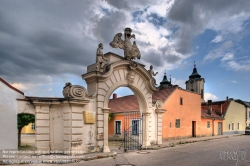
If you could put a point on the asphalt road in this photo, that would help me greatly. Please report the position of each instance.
(232, 151)
(220, 152)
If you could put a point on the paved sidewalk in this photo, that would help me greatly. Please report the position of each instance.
(176, 142)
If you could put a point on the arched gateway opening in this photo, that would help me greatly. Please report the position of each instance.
(125, 121)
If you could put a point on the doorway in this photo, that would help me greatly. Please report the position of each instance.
(193, 128)
(219, 128)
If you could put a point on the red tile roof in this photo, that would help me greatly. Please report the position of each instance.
(206, 115)
(163, 94)
(220, 107)
(130, 103)
(10, 86)
(123, 104)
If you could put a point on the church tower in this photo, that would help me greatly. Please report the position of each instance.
(165, 83)
(196, 83)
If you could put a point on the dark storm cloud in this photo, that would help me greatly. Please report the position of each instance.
(109, 25)
(129, 4)
(44, 37)
(119, 4)
(169, 56)
(193, 17)
(153, 57)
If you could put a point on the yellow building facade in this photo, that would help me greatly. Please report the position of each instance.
(29, 129)
(235, 119)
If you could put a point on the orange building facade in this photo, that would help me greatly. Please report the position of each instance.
(118, 122)
(211, 127)
(183, 115)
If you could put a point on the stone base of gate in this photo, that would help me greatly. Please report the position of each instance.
(106, 149)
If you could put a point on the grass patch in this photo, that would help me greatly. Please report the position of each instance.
(180, 143)
(171, 144)
(24, 147)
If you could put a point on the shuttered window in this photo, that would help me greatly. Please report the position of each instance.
(177, 123)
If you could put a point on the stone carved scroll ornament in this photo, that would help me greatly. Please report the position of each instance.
(75, 92)
(158, 104)
(130, 51)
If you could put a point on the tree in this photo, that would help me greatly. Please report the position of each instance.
(23, 120)
(111, 116)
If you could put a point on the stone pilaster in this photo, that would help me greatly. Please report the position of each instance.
(67, 128)
(145, 125)
(42, 128)
(105, 125)
(159, 113)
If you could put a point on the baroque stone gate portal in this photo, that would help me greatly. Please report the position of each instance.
(78, 123)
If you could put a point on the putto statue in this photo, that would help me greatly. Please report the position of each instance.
(100, 59)
(130, 51)
(152, 73)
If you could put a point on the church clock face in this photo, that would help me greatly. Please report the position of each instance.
(192, 81)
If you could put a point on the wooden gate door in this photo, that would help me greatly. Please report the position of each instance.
(219, 128)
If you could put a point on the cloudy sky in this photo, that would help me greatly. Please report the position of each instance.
(44, 44)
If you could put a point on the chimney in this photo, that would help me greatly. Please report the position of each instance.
(114, 95)
(209, 107)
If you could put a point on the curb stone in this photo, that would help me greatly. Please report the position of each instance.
(100, 156)
(184, 142)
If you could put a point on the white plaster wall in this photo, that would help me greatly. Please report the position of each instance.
(26, 107)
(8, 117)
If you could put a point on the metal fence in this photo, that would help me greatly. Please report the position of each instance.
(132, 130)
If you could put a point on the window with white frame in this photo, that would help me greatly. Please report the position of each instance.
(118, 127)
(208, 124)
(33, 126)
(232, 126)
(135, 127)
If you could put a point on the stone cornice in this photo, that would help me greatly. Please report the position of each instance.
(160, 111)
(106, 110)
(58, 102)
